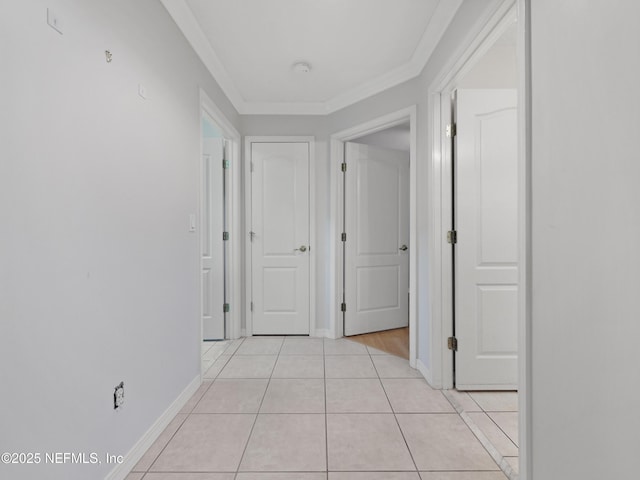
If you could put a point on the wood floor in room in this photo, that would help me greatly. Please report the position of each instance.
(395, 342)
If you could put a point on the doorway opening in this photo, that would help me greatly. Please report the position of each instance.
(280, 242)
(478, 108)
(218, 228)
(372, 186)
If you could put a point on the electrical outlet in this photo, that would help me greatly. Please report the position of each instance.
(118, 396)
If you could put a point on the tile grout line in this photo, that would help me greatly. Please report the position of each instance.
(187, 415)
(497, 457)
(244, 450)
(395, 417)
(488, 414)
(486, 443)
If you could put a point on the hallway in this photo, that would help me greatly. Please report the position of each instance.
(310, 409)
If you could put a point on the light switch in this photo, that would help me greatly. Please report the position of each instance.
(54, 20)
(192, 222)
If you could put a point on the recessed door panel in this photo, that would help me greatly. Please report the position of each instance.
(497, 335)
(378, 288)
(378, 197)
(279, 290)
(279, 205)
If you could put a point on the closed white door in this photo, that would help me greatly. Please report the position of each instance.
(280, 238)
(486, 252)
(377, 239)
(212, 226)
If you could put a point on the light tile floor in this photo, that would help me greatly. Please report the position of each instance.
(292, 408)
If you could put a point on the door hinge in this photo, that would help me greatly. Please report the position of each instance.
(225, 307)
(344, 167)
(251, 306)
(451, 130)
(452, 343)
(452, 237)
(225, 235)
(343, 307)
(344, 237)
(225, 164)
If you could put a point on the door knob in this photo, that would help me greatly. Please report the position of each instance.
(403, 248)
(302, 248)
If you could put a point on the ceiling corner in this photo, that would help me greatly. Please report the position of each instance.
(186, 22)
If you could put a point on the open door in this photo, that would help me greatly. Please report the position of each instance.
(486, 244)
(376, 239)
(212, 244)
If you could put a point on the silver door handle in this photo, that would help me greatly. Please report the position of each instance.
(302, 249)
(403, 248)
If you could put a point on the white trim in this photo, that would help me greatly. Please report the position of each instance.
(426, 373)
(525, 212)
(313, 244)
(321, 332)
(234, 211)
(188, 24)
(134, 455)
(336, 214)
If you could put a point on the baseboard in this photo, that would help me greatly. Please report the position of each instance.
(320, 332)
(243, 332)
(138, 450)
(426, 373)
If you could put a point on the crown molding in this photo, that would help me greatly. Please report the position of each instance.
(186, 22)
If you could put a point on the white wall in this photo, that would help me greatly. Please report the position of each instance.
(98, 273)
(498, 66)
(585, 233)
(395, 138)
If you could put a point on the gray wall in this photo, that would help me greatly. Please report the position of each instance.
(98, 273)
(586, 232)
(463, 28)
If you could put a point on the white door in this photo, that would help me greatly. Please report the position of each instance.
(212, 226)
(377, 239)
(486, 252)
(280, 238)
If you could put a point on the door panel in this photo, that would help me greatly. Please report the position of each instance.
(212, 226)
(377, 225)
(486, 252)
(280, 222)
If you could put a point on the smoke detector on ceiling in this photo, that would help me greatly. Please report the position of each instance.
(301, 67)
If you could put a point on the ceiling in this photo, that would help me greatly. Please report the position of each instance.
(356, 48)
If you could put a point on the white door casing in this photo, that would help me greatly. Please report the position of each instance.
(377, 243)
(486, 252)
(212, 226)
(280, 238)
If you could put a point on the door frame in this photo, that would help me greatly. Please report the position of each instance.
(313, 245)
(336, 258)
(440, 197)
(233, 211)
